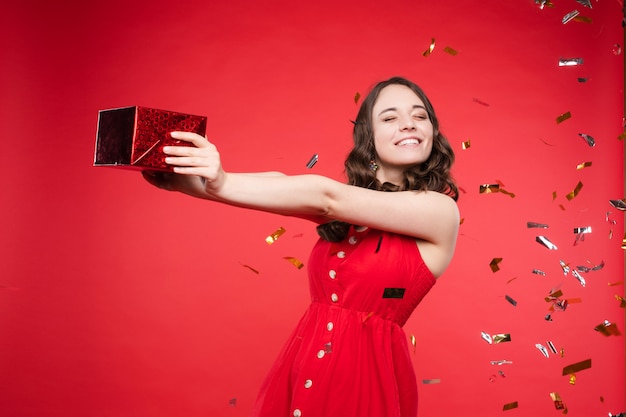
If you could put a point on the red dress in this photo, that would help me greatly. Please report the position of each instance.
(348, 356)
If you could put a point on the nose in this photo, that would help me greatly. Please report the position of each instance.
(407, 124)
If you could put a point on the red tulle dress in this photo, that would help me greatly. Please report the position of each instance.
(348, 356)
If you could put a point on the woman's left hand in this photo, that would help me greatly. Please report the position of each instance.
(201, 159)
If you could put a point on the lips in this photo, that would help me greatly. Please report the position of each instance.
(408, 141)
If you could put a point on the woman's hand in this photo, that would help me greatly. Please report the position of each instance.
(201, 160)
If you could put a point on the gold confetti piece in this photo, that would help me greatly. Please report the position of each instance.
(618, 204)
(568, 17)
(510, 300)
(357, 96)
(553, 195)
(413, 342)
(294, 261)
(250, 268)
(589, 139)
(572, 379)
(582, 19)
(501, 338)
(544, 3)
(583, 165)
(563, 117)
(274, 236)
(431, 381)
(582, 79)
(570, 62)
(430, 49)
(608, 329)
(613, 284)
(450, 51)
(312, 161)
(558, 404)
(571, 195)
(622, 136)
(466, 144)
(494, 264)
(546, 242)
(489, 188)
(510, 406)
(577, 367)
(482, 103)
(533, 225)
(576, 300)
(622, 302)
(624, 242)
(542, 349)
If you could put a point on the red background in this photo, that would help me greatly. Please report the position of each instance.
(118, 299)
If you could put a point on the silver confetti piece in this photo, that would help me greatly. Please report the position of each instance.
(570, 62)
(502, 362)
(312, 161)
(618, 204)
(542, 349)
(579, 230)
(570, 16)
(590, 140)
(486, 337)
(539, 272)
(579, 277)
(593, 268)
(552, 347)
(565, 267)
(533, 225)
(545, 242)
(586, 3)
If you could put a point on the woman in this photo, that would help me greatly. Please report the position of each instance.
(379, 255)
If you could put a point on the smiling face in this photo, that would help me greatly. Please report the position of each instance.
(403, 132)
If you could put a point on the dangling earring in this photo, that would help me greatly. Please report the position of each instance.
(373, 165)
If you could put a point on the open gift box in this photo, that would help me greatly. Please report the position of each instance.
(133, 137)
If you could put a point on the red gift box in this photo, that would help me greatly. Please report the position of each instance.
(133, 137)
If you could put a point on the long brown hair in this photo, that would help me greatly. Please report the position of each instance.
(433, 174)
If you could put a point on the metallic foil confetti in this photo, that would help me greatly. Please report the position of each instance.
(509, 406)
(494, 264)
(582, 79)
(232, 402)
(548, 317)
(586, 3)
(553, 195)
(542, 349)
(562, 207)
(466, 144)
(570, 16)
(572, 379)
(486, 337)
(533, 225)
(583, 165)
(613, 284)
(295, 262)
(501, 338)
(510, 300)
(482, 103)
(274, 236)
(622, 136)
(622, 301)
(607, 328)
(544, 3)
(250, 268)
(431, 381)
(618, 204)
(511, 280)
(577, 367)
(357, 96)
(589, 139)
(393, 292)
(413, 342)
(489, 188)
(430, 49)
(563, 117)
(624, 242)
(618, 415)
(579, 277)
(546, 242)
(450, 51)
(565, 267)
(571, 195)
(502, 362)
(510, 194)
(582, 19)
(558, 404)
(589, 269)
(539, 272)
(312, 161)
(570, 62)
(552, 347)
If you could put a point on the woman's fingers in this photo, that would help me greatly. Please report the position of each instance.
(194, 138)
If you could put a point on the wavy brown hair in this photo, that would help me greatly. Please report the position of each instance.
(433, 174)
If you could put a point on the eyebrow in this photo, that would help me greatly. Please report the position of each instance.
(415, 106)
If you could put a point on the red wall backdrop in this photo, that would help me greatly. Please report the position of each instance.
(118, 299)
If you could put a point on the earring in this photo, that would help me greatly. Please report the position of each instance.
(373, 165)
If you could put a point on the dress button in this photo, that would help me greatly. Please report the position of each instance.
(332, 274)
(297, 413)
(308, 383)
(334, 297)
(329, 326)
(341, 254)
(320, 354)
(352, 240)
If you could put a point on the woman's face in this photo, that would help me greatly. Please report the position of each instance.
(403, 132)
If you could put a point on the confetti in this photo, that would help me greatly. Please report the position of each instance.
(274, 236)
(589, 139)
(494, 264)
(582, 79)
(545, 242)
(502, 362)
(577, 367)
(430, 49)
(544, 3)
(571, 195)
(563, 117)
(565, 267)
(622, 136)
(583, 19)
(598, 267)
(489, 188)
(482, 103)
(586, 3)
(542, 349)
(431, 381)
(501, 338)
(553, 195)
(570, 16)
(579, 277)
(539, 272)
(312, 161)
(617, 49)
(533, 225)
(624, 242)
(613, 284)
(570, 62)
(450, 51)
(618, 204)
(250, 268)
(510, 300)
(622, 302)
(572, 379)
(294, 261)
(558, 404)
(486, 337)
(607, 328)
(413, 342)
(583, 165)
(393, 292)
(552, 347)
(357, 96)
(509, 406)
(465, 145)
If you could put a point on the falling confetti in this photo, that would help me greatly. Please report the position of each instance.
(510, 300)
(589, 139)
(568, 17)
(431, 381)
(597, 267)
(579, 277)
(542, 349)
(482, 103)
(294, 261)
(312, 161)
(577, 367)
(450, 51)
(571, 195)
(618, 204)
(489, 188)
(501, 338)
(274, 236)
(586, 3)
(563, 117)
(430, 49)
(570, 62)
(357, 96)
(539, 272)
(617, 49)
(250, 268)
(466, 144)
(583, 165)
(607, 328)
(502, 362)
(546, 242)
(509, 406)
(494, 264)
(413, 342)
(556, 398)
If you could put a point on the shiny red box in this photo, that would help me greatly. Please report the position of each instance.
(133, 137)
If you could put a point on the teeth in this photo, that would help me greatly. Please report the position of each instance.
(408, 142)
